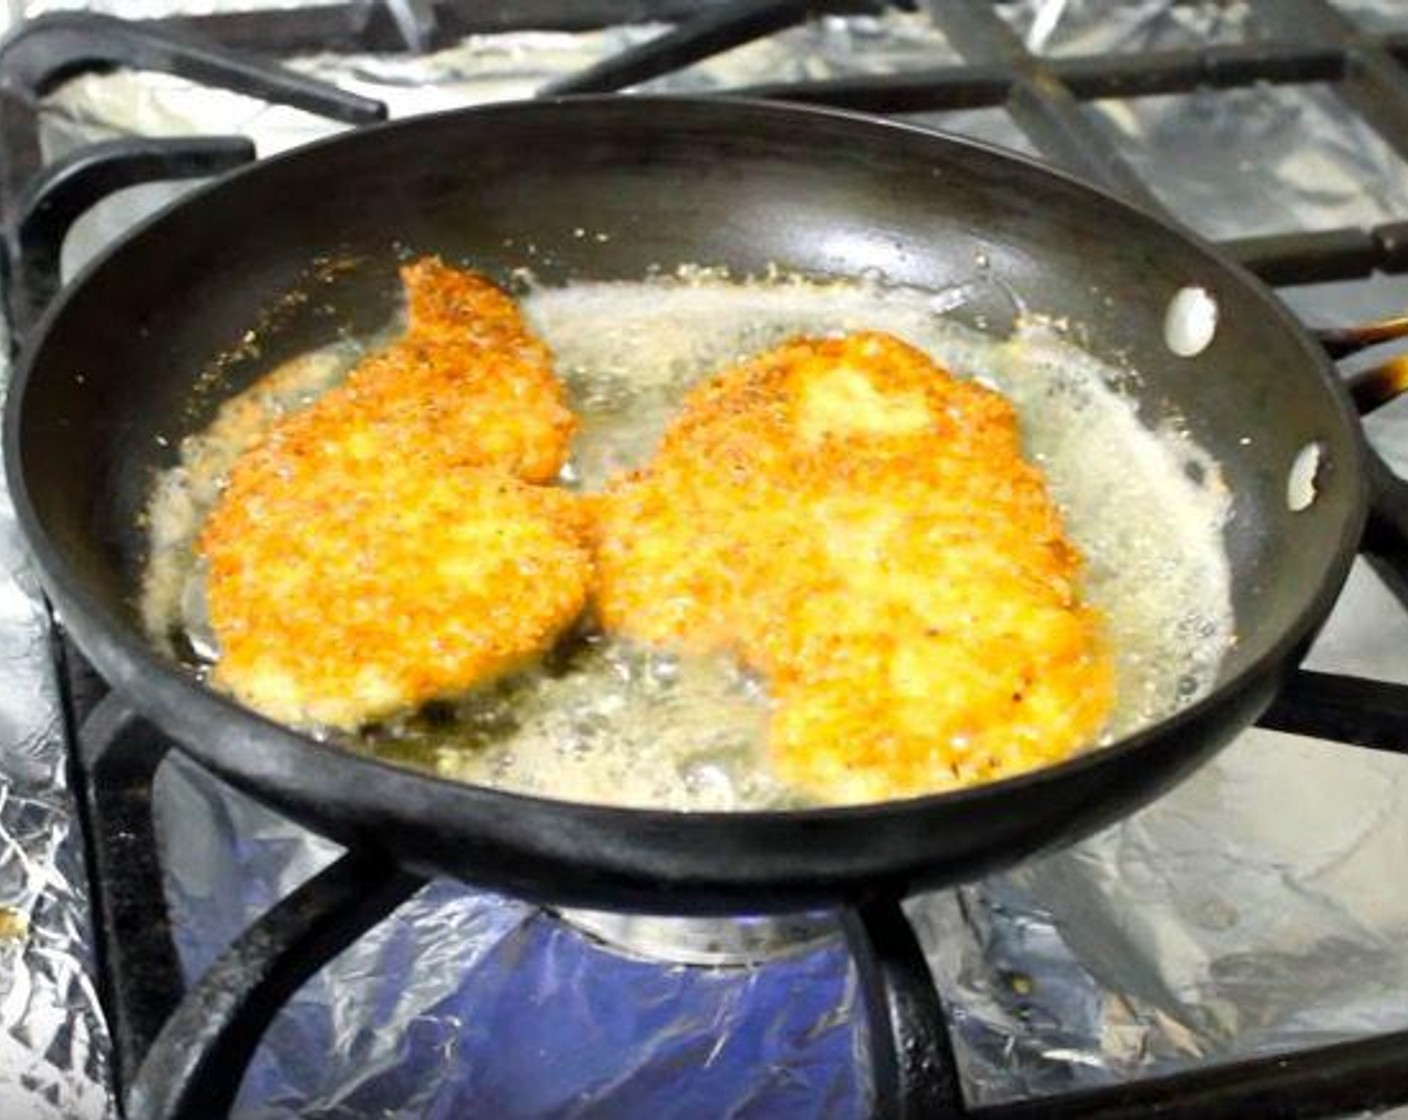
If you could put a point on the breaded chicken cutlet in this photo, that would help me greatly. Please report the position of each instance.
(384, 546)
(859, 526)
(468, 383)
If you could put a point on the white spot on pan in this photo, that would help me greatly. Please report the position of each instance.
(1300, 483)
(1190, 322)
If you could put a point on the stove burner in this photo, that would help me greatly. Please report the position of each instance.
(726, 942)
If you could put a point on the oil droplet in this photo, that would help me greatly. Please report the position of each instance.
(949, 298)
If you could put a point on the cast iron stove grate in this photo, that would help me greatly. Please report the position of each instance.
(181, 1054)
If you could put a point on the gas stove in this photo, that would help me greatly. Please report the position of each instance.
(1232, 951)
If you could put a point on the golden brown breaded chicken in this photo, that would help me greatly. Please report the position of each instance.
(381, 548)
(468, 381)
(859, 526)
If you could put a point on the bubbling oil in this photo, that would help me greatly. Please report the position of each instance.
(603, 721)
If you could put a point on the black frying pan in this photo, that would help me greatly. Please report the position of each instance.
(115, 365)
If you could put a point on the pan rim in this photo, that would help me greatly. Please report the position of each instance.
(166, 688)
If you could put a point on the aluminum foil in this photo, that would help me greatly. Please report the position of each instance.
(1249, 911)
(468, 1003)
(53, 1042)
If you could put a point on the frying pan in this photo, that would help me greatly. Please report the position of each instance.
(148, 341)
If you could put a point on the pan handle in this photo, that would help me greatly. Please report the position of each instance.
(1341, 342)
(1378, 385)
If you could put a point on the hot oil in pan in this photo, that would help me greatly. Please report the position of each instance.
(602, 721)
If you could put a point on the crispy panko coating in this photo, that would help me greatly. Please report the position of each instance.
(468, 381)
(383, 547)
(859, 526)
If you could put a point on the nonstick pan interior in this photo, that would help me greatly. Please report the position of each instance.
(286, 256)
